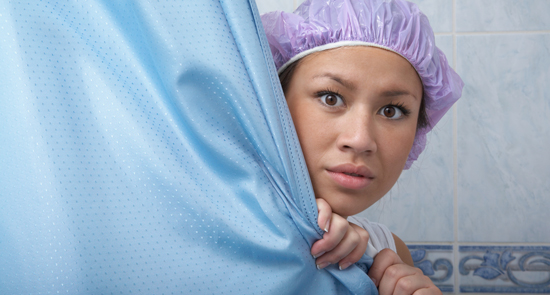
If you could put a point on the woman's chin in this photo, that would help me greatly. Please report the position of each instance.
(345, 209)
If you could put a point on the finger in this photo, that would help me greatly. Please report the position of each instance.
(349, 242)
(325, 214)
(338, 229)
(432, 290)
(382, 261)
(417, 283)
(359, 250)
(401, 279)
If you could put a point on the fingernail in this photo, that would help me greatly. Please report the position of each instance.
(344, 266)
(317, 255)
(327, 226)
(323, 265)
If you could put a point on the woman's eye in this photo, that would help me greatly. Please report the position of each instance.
(391, 112)
(332, 100)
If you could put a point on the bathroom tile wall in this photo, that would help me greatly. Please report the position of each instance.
(474, 208)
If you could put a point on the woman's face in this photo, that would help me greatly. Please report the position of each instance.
(355, 110)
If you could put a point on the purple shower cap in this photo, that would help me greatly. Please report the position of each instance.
(394, 25)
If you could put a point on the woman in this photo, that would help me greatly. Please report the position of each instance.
(364, 83)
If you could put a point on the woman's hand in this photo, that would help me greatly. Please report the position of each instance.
(343, 242)
(392, 276)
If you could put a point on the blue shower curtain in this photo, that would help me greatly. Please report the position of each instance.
(146, 147)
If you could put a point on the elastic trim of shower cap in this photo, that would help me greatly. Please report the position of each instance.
(340, 44)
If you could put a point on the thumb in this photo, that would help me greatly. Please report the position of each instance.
(325, 214)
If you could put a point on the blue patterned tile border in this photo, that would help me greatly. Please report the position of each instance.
(504, 269)
(436, 262)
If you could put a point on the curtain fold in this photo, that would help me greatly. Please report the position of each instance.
(146, 147)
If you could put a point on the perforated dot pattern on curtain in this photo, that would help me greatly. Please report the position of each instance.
(146, 148)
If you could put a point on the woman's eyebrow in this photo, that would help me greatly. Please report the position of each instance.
(392, 93)
(338, 79)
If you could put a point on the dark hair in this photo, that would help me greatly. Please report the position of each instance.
(286, 75)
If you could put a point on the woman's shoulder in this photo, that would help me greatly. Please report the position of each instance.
(403, 251)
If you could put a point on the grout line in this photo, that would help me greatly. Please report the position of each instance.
(504, 244)
(446, 243)
(496, 244)
(455, 167)
(455, 180)
(504, 32)
(491, 33)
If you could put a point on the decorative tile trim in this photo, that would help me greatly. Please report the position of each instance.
(504, 269)
(436, 262)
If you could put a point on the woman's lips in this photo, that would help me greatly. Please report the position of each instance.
(351, 176)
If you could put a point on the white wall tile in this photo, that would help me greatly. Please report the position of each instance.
(504, 138)
(297, 3)
(271, 5)
(439, 12)
(502, 15)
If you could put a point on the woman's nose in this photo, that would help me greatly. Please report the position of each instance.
(358, 135)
